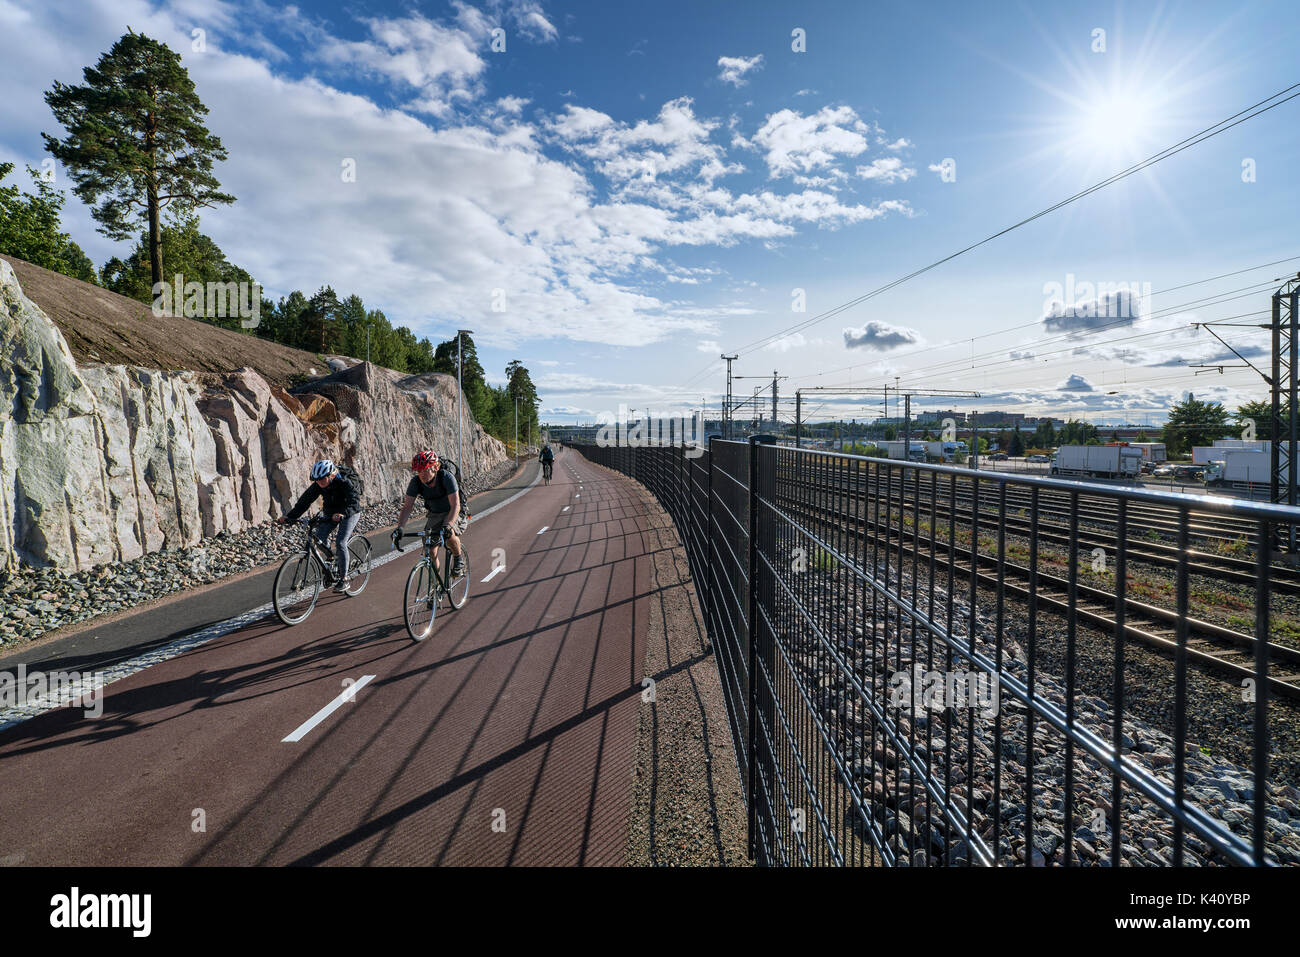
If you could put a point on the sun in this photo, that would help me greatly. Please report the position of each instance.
(1118, 124)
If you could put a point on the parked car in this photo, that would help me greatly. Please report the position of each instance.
(1189, 473)
(999, 456)
(1163, 471)
(1147, 468)
(1037, 458)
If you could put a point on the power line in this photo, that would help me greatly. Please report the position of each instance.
(1207, 133)
(1222, 126)
(1038, 323)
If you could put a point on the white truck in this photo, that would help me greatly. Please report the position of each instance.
(1205, 454)
(1240, 468)
(1097, 461)
(894, 449)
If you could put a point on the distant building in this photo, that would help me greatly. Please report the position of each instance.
(938, 417)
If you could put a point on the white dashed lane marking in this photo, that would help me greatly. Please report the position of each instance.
(544, 528)
(493, 573)
(348, 694)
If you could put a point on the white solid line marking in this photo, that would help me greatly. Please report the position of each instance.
(348, 694)
(544, 528)
(566, 508)
(493, 574)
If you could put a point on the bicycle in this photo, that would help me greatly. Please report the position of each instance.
(546, 471)
(426, 586)
(299, 581)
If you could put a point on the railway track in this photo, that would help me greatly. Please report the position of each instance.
(1284, 578)
(1220, 567)
(1203, 525)
(1213, 646)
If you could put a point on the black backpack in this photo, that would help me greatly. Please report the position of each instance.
(454, 469)
(451, 466)
(354, 480)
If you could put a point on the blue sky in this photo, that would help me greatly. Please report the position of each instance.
(625, 191)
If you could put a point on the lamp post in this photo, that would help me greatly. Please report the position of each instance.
(460, 397)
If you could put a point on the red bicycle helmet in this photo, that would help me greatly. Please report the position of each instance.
(423, 460)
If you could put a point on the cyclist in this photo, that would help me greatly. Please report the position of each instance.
(546, 456)
(341, 509)
(437, 486)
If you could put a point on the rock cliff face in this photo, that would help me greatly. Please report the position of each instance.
(106, 462)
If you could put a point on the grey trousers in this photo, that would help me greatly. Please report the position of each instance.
(345, 528)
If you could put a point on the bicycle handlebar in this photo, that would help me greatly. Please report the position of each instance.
(397, 542)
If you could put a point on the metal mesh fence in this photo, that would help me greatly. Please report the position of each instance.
(926, 665)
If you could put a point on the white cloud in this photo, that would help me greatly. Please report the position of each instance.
(708, 345)
(440, 215)
(437, 63)
(1111, 310)
(798, 143)
(880, 336)
(1076, 383)
(734, 68)
(887, 170)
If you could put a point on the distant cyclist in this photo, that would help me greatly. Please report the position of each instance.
(437, 486)
(341, 509)
(546, 456)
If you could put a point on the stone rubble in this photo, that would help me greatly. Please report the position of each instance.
(36, 600)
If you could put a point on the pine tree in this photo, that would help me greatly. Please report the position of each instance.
(136, 142)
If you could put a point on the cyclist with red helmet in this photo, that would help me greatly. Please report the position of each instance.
(437, 486)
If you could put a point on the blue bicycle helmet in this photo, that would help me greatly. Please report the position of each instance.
(322, 469)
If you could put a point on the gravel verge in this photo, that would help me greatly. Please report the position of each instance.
(36, 601)
(688, 806)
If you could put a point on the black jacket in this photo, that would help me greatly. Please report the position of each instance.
(341, 497)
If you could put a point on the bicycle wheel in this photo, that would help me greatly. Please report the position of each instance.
(297, 586)
(458, 590)
(358, 565)
(418, 605)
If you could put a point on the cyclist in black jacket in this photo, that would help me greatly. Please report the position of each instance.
(341, 509)
(546, 456)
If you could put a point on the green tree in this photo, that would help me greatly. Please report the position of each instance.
(1261, 413)
(192, 255)
(1193, 422)
(136, 143)
(283, 324)
(1078, 432)
(473, 378)
(322, 324)
(352, 314)
(29, 228)
(519, 383)
(1016, 446)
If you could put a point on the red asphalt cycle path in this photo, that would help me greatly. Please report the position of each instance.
(506, 737)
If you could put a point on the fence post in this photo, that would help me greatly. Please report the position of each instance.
(754, 442)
